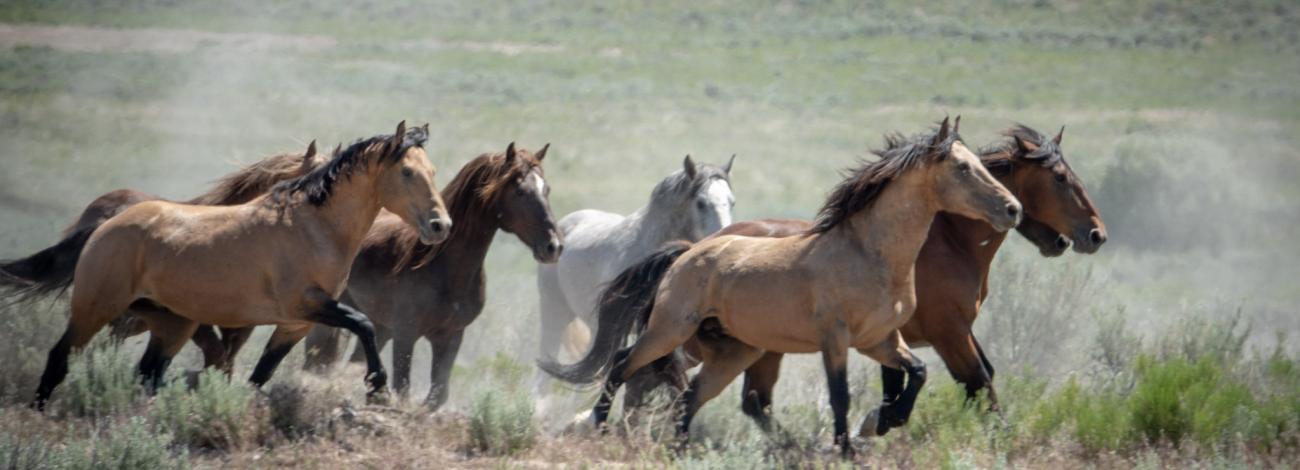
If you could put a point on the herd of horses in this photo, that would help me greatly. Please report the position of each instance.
(898, 255)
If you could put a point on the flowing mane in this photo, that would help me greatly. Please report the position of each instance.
(997, 157)
(318, 185)
(469, 196)
(864, 184)
(255, 179)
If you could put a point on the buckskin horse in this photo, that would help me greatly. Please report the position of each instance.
(847, 282)
(280, 259)
(412, 290)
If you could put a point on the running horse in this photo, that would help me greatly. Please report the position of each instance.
(281, 259)
(952, 271)
(412, 291)
(48, 272)
(845, 283)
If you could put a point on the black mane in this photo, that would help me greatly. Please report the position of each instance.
(862, 185)
(318, 185)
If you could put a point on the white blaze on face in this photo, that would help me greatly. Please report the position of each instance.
(719, 197)
(538, 182)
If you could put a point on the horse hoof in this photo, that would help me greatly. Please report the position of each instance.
(872, 425)
(378, 397)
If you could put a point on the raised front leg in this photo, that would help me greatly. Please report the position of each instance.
(382, 335)
(894, 353)
(445, 347)
(333, 313)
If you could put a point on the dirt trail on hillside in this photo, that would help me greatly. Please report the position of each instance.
(180, 41)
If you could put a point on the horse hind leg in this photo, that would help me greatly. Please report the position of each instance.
(756, 395)
(93, 306)
(168, 333)
(724, 359)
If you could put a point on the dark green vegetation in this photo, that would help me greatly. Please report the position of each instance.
(1181, 118)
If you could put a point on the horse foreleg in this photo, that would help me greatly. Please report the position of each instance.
(988, 369)
(233, 340)
(756, 396)
(836, 362)
(214, 351)
(894, 353)
(382, 335)
(959, 353)
(403, 350)
(278, 346)
(338, 315)
(445, 348)
(323, 346)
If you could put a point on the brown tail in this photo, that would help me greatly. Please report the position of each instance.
(625, 302)
(47, 272)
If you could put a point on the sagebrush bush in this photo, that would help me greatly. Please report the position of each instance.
(132, 445)
(219, 413)
(27, 332)
(502, 423)
(101, 380)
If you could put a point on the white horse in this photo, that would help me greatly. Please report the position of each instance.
(689, 204)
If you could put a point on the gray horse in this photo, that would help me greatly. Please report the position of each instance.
(689, 204)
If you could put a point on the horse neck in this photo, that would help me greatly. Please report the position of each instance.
(893, 229)
(474, 227)
(656, 224)
(976, 238)
(350, 211)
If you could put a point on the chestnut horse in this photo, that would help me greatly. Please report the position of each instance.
(412, 291)
(48, 273)
(951, 270)
(282, 258)
(845, 283)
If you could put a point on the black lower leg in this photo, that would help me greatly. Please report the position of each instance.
(896, 414)
(56, 368)
(151, 367)
(838, 384)
(600, 413)
(891, 381)
(339, 315)
(686, 412)
(270, 359)
(755, 404)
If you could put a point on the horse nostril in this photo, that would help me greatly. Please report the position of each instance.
(1062, 242)
(439, 225)
(553, 248)
(1013, 210)
(1097, 236)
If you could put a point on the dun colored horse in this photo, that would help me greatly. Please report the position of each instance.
(412, 291)
(951, 270)
(48, 273)
(282, 258)
(845, 283)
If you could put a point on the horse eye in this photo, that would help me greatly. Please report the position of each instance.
(407, 172)
(963, 166)
(1060, 177)
(699, 204)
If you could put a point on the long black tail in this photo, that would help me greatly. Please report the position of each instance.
(45, 273)
(625, 302)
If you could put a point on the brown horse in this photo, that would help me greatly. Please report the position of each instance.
(282, 258)
(434, 292)
(845, 283)
(48, 273)
(951, 270)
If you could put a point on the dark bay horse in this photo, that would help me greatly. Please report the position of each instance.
(412, 291)
(846, 283)
(951, 269)
(48, 273)
(280, 259)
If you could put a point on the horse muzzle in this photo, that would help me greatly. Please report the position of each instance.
(550, 251)
(435, 230)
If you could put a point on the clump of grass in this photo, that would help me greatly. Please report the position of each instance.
(130, 445)
(27, 331)
(502, 424)
(218, 414)
(101, 381)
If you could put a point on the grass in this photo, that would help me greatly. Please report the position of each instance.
(1168, 348)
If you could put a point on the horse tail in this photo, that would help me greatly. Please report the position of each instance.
(46, 272)
(625, 303)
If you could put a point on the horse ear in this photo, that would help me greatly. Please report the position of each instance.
(510, 152)
(942, 135)
(727, 168)
(398, 135)
(542, 153)
(1025, 145)
(311, 150)
(956, 124)
(1057, 140)
(689, 167)
(426, 128)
